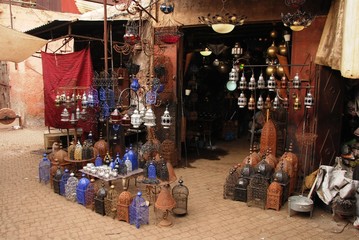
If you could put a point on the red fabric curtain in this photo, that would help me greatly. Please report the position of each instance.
(62, 73)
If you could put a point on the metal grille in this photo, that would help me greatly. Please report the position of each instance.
(257, 191)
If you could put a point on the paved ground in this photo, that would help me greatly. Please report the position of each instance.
(30, 210)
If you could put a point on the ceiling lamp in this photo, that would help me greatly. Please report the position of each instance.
(298, 20)
(222, 22)
(206, 52)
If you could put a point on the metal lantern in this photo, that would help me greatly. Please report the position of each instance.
(308, 100)
(260, 103)
(162, 170)
(136, 120)
(180, 193)
(231, 180)
(274, 196)
(131, 35)
(150, 118)
(65, 116)
(100, 200)
(276, 102)
(251, 103)
(90, 195)
(261, 82)
(296, 104)
(282, 178)
(64, 178)
(285, 103)
(70, 188)
(296, 81)
(166, 119)
(57, 180)
(84, 101)
(237, 50)
(44, 169)
(123, 206)
(267, 103)
(165, 202)
(81, 189)
(142, 113)
(111, 202)
(243, 82)
(283, 82)
(168, 151)
(240, 190)
(139, 212)
(257, 191)
(242, 100)
(252, 83)
(115, 117)
(271, 83)
(233, 75)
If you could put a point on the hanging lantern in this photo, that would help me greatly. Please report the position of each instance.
(111, 202)
(166, 119)
(81, 189)
(44, 169)
(243, 82)
(296, 81)
(252, 83)
(283, 82)
(237, 50)
(70, 188)
(57, 100)
(285, 103)
(297, 103)
(260, 103)
(180, 193)
(308, 100)
(267, 103)
(73, 120)
(271, 83)
(165, 202)
(276, 103)
(231, 85)
(131, 35)
(242, 100)
(261, 82)
(142, 113)
(149, 118)
(115, 116)
(251, 103)
(136, 120)
(233, 75)
(135, 84)
(126, 121)
(271, 69)
(65, 116)
(272, 51)
(139, 212)
(100, 200)
(84, 101)
(123, 206)
(167, 7)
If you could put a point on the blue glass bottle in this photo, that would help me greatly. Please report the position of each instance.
(98, 161)
(135, 84)
(44, 169)
(133, 157)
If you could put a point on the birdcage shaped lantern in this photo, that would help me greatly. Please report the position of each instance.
(261, 84)
(44, 169)
(64, 178)
(260, 103)
(149, 118)
(123, 206)
(252, 83)
(100, 200)
(308, 100)
(271, 84)
(274, 196)
(242, 100)
(139, 211)
(111, 202)
(57, 180)
(90, 195)
(243, 82)
(240, 190)
(70, 188)
(257, 191)
(231, 180)
(81, 188)
(136, 119)
(296, 81)
(166, 119)
(180, 194)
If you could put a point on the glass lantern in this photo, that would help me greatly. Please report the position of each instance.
(261, 82)
(233, 75)
(64, 178)
(81, 189)
(65, 116)
(150, 118)
(100, 200)
(123, 206)
(276, 103)
(308, 100)
(297, 105)
(296, 81)
(283, 82)
(139, 212)
(252, 83)
(180, 193)
(243, 82)
(166, 119)
(237, 50)
(260, 103)
(111, 202)
(251, 103)
(70, 188)
(90, 195)
(131, 35)
(271, 83)
(242, 100)
(44, 169)
(136, 120)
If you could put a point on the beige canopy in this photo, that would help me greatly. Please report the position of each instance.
(17, 46)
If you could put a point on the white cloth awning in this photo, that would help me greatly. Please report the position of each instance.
(17, 46)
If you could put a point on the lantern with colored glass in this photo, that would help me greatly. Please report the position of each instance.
(132, 33)
(242, 100)
(166, 119)
(139, 212)
(180, 193)
(81, 189)
(308, 100)
(261, 82)
(111, 202)
(70, 188)
(90, 195)
(44, 169)
(252, 83)
(57, 180)
(64, 178)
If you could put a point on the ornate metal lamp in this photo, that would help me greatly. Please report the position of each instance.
(231, 180)
(296, 81)
(242, 82)
(81, 189)
(260, 102)
(180, 193)
(44, 169)
(308, 100)
(150, 118)
(65, 176)
(139, 212)
(57, 180)
(261, 82)
(242, 100)
(123, 206)
(90, 195)
(100, 200)
(205, 52)
(237, 50)
(70, 188)
(251, 103)
(166, 119)
(271, 84)
(136, 119)
(111, 202)
(252, 83)
(165, 202)
(274, 196)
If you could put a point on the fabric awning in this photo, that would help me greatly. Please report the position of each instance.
(17, 46)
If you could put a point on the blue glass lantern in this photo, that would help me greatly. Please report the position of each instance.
(151, 171)
(44, 169)
(70, 188)
(135, 84)
(139, 212)
(167, 7)
(133, 157)
(63, 182)
(117, 159)
(56, 181)
(98, 161)
(81, 189)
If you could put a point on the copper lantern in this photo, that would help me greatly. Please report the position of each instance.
(123, 206)
(111, 202)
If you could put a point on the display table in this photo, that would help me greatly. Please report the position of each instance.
(125, 178)
(78, 164)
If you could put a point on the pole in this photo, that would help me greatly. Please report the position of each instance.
(105, 42)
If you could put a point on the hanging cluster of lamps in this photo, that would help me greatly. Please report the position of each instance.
(271, 86)
(298, 20)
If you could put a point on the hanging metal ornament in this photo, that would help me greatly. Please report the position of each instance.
(297, 104)
(252, 83)
(296, 81)
(132, 35)
(271, 84)
(285, 103)
(166, 119)
(260, 103)
(167, 7)
(242, 100)
(233, 75)
(243, 82)
(251, 103)
(267, 103)
(308, 100)
(276, 103)
(261, 82)
(283, 82)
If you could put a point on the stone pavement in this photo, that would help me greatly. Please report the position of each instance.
(30, 210)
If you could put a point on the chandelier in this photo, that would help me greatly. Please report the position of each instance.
(223, 22)
(298, 20)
